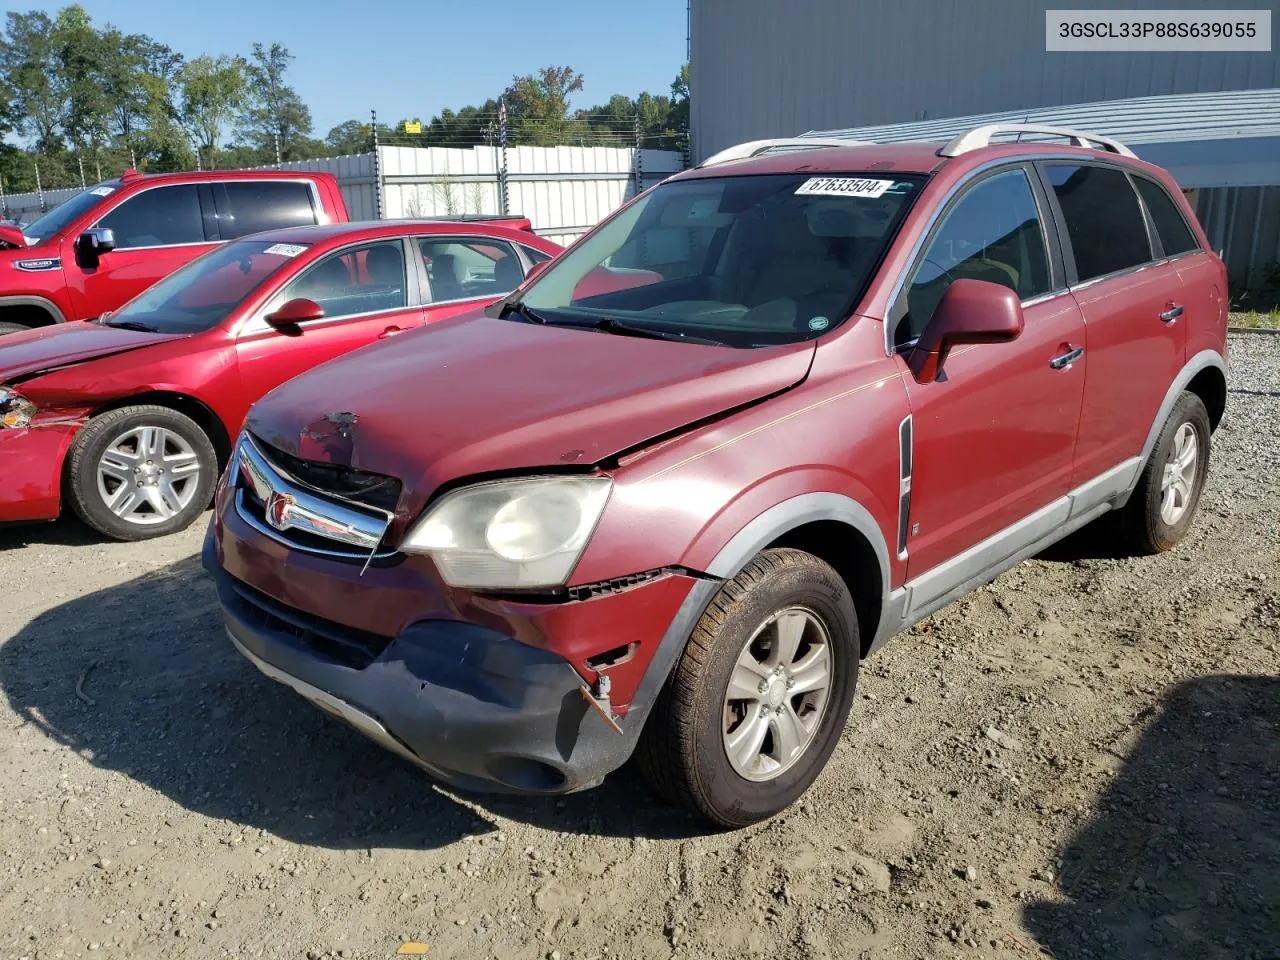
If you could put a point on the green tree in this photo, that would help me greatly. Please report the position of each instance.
(538, 105)
(680, 99)
(29, 62)
(272, 108)
(213, 90)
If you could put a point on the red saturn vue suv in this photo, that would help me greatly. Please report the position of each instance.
(129, 419)
(665, 496)
(104, 246)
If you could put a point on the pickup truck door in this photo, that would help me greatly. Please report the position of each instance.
(157, 230)
(367, 295)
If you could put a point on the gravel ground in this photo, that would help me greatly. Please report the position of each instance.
(1081, 759)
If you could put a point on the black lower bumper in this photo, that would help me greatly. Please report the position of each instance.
(476, 709)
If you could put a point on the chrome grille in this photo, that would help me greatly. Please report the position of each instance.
(276, 504)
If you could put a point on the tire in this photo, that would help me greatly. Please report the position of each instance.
(684, 749)
(1145, 526)
(13, 328)
(171, 494)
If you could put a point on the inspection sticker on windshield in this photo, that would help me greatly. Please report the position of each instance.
(844, 187)
(285, 249)
(103, 191)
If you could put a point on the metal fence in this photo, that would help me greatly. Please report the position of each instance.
(564, 191)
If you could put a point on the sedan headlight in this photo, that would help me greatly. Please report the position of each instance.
(15, 409)
(511, 533)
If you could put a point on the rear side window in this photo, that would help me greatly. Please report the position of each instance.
(251, 206)
(993, 233)
(1104, 221)
(159, 217)
(1175, 236)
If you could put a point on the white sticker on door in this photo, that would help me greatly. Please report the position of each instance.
(285, 249)
(844, 187)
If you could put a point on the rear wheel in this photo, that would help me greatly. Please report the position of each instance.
(1163, 505)
(760, 696)
(141, 472)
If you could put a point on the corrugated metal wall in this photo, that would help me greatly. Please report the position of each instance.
(764, 68)
(1243, 223)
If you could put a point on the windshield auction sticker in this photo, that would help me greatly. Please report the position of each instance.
(285, 249)
(844, 187)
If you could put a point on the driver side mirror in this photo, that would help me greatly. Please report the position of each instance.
(536, 269)
(92, 244)
(295, 311)
(970, 311)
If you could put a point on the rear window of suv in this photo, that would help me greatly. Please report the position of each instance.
(1175, 236)
(1104, 221)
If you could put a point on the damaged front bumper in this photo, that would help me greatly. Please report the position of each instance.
(31, 470)
(475, 707)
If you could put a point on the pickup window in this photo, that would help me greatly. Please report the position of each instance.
(250, 206)
(159, 217)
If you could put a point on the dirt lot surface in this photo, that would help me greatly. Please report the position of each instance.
(1082, 759)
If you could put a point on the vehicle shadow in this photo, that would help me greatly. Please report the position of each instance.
(1094, 541)
(175, 708)
(1182, 858)
(66, 531)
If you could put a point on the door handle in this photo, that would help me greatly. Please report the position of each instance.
(1172, 314)
(389, 332)
(1066, 359)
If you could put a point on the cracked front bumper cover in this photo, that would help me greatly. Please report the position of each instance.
(476, 709)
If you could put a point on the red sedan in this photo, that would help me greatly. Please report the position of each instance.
(130, 418)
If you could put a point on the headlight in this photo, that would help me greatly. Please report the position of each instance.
(511, 533)
(15, 409)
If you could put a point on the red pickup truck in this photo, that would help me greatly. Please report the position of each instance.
(103, 247)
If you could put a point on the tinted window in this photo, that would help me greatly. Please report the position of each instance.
(157, 217)
(459, 269)
(365, 279)
(60, 217)
(992, 233)
(1104, 220)
(201, 294)
(1175, 236)
(536, 256)
(263, 205)
(740, 261)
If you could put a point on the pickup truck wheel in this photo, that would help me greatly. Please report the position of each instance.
(12, 328)
(140, 472)
(756, 704)
(1160, 511)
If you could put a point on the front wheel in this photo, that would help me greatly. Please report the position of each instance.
(756, 704)
(141, 472)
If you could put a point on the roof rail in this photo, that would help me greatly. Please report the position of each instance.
(753, 148)
(981, 137)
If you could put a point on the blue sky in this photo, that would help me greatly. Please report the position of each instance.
(412, 57)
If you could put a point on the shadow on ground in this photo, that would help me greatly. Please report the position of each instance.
(178, 710)
(1182, 858)
(66, 531)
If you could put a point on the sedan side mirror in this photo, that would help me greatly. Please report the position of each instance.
(296, 311)
(970, 311)
(92, 244)
(536, 269)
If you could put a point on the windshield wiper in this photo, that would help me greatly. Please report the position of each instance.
(130, 325)
(525, 312)
(622, 328)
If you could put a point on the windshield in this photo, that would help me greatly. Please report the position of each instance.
(739, 261)
(201, 295)
(57, 219)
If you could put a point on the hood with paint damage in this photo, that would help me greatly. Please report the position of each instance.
(48, 348)
(485, 395)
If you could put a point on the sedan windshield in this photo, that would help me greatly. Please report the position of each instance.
(60, 217)
(201, 295)
(738, 261)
